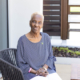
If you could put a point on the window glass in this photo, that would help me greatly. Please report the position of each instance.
(74, 35)
(74, 9)
(74, 2)
(73, 18)
(74, 26)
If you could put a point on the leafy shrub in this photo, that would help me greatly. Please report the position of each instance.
(66, 50)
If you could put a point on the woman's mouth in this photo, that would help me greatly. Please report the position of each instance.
(35, 28)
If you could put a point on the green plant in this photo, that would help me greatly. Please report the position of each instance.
(77, 52)
(67, 50)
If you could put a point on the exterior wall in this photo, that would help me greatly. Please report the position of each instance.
(3, 24)
(19, 15)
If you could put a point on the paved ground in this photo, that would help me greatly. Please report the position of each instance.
(64, 71)
(1, 79)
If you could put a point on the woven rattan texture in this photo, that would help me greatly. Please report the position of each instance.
(9, 71)
(9, 55)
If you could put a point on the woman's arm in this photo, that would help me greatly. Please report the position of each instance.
(45, 66)
(33, 71)
(22, 64)
(51, 58)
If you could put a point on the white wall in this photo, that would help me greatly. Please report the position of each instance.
(67, 60)
(19, 15)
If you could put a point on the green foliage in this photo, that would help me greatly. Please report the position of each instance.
(77, 52)
(70, 51)
(66, 50)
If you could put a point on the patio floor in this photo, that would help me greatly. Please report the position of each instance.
(64, 71)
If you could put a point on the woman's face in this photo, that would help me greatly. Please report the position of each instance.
(36, 23)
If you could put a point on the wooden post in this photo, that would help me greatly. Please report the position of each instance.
(64, 19)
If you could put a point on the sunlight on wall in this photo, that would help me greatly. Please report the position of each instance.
(19, 16)
(74, 9)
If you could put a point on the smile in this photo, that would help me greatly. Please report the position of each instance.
(36, 28)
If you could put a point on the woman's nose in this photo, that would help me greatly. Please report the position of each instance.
(36, 24)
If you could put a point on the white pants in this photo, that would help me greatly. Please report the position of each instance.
(53, 76)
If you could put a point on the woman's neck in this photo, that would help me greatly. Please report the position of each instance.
(35, 35)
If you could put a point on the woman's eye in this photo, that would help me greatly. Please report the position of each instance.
(39, 22)
(34, 21)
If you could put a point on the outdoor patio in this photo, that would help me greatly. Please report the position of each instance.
(60, 22)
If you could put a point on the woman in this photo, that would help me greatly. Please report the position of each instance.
(34, 53)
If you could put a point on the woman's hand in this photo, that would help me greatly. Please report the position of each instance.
(42, 72)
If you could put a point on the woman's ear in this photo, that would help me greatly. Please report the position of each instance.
(30, 23)
(42, 25)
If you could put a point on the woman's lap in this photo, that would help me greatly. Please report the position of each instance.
(53, 76)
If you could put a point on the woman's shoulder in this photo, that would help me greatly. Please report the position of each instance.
(21, 38)
(45, 35)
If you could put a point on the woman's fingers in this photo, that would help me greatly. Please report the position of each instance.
(46, 72)
(42, 72)
(37, 73)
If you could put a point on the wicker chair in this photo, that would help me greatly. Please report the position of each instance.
(8, 65)
(9, 71)
(9, 55)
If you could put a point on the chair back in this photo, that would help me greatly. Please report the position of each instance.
(9, 71)
(9, 55)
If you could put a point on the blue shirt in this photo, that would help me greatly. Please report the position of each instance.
(34, 55)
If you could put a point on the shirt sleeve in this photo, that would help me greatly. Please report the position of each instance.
(51, 58)
(19, 58)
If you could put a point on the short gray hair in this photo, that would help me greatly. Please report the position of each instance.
(37, 13)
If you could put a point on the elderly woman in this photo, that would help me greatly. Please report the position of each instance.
(34, 53)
